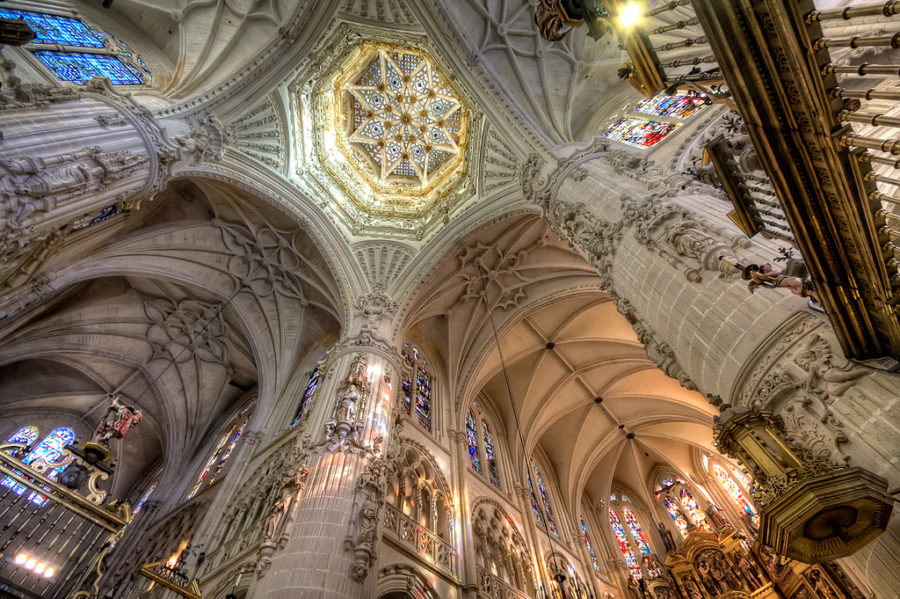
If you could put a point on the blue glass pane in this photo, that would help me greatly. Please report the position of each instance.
(53, 29)
(472, 442)
(545, 498)
(79, 67)
(307, 396)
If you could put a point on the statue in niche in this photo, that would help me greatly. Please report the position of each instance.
(119, 419)
(772, 562)
(748, 570)
(691, 588)
(820, 586)
(717, 516)
(668, 539)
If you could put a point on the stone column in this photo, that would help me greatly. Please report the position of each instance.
(466, 547)
(329, 548)
(587, 564)
(522, 492)
(660, 239)
(74, 157)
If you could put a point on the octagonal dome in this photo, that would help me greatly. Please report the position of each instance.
(393, 130)
(403, 124)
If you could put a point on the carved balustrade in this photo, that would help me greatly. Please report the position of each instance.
(421, 540)
(493, 587)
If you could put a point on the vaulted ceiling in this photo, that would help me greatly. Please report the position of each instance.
(564, 345)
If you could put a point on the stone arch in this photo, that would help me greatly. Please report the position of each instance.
(400, 581)
(501, 553)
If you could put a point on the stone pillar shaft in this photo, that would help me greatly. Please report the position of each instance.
(330, 548)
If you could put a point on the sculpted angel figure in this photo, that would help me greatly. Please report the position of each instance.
(821, 375)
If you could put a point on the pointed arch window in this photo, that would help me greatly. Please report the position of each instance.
(314, 380)
(480, 442)
(636, 532)
(216, 462)
(140, 504)
(545, 500)
(624, 546)
(472, 441)
(48, 450)
(417, 387)
(534, 506)
(587, 542)
(735, 490)
(681, 505)
(86, 52)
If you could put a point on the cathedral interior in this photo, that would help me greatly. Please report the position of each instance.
(449, 299)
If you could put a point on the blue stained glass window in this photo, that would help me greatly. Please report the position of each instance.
(493, 471)
(697, 516)
(418, 384)
(220, 455)
(636, 532)
(423, 398)
(624, 547)
(676, 514)
(79, 67)
(55, 29)
(307, 396)
(590, 546)
(143, 500)
(639, 132)
(26, 435)
(534, 505)
(48, 450)
(679, 105)
(545, 498)
(472, 442)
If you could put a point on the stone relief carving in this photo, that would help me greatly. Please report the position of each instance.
(15, 95)
(259, 133)
(280, 516)
(382, 262)
(343, 430)
(205, 141)
(186, 329)
(362, 540)
(376, 307)
(265, 260)
(802, 389)
(29, 185)
(662, 354)
(687, 242)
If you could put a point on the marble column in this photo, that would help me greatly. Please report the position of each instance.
(329, 548)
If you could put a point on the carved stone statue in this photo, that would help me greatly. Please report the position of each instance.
(119, 419)
(718, 516)
(668, 539)
(823, 377)
(691, 588)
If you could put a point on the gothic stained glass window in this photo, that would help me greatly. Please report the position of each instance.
(140, 504)
(545, 499)
(472, 442)
(676, 514)
(55, 29)
(26, 435)
(737, 495)
(217, 460)
(697, 516)
(534, 505)
(418, 385)
(590, 546)
(636, 532)
(680, 105)
(639, 133)
(490, 460)
(624, 547)
(79, 67)
(49, 450)
(307, 396)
